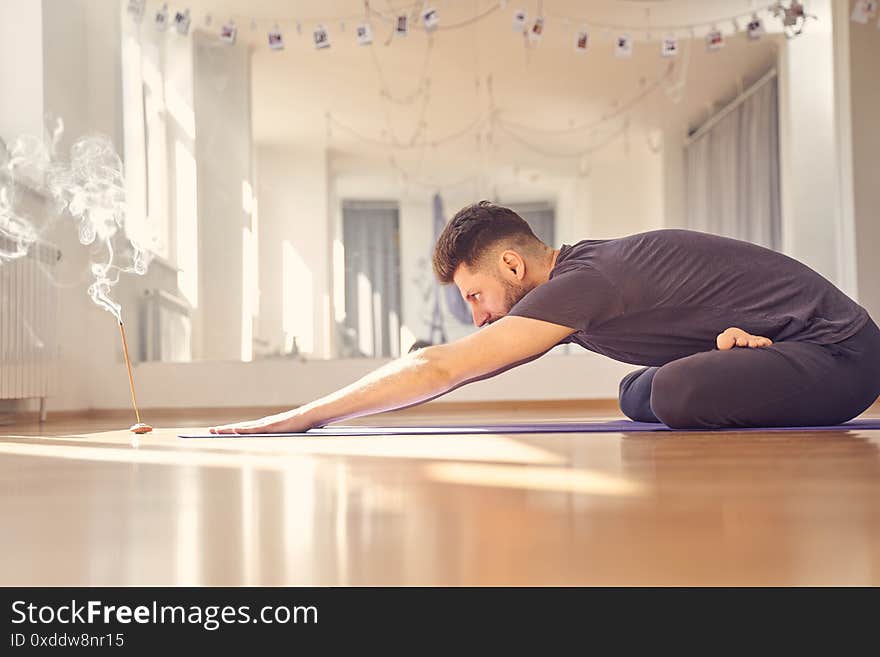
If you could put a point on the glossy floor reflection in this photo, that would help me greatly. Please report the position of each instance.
(82, 504)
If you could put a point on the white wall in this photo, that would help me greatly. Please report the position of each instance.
(628, 194)
(221, 98)
(674, 208)
(811, 211)
(292, 196)
(864, 55)
(21, 68)
(82, 86)
(163, 63)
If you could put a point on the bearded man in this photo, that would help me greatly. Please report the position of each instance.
(728, 333)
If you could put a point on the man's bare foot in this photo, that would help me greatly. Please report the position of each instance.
(736, 337)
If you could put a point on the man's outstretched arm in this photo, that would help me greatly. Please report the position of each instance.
(419, 376)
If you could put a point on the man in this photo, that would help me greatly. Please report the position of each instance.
(730, 334)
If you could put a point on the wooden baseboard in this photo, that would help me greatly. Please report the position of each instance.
(556, 405)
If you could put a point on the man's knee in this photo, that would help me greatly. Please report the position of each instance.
(630, 404)
(676, 399)
(624, 396)
(634, 396)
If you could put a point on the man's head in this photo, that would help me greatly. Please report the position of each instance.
(492, 255)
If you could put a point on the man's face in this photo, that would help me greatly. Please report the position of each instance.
(490, 293)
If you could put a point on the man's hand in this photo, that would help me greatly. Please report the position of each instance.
(287, 422)
(736, 337)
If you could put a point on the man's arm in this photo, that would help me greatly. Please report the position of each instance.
(419, 376)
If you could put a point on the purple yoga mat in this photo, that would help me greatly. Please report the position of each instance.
(610, 426)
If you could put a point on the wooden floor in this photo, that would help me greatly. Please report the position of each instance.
(81, 504)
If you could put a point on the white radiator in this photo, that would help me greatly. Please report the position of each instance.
(28, 330)
(167, 328)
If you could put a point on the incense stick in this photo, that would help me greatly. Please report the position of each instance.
(130, 379)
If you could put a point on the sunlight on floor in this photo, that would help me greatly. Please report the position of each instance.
(562, 480)
(163, 447)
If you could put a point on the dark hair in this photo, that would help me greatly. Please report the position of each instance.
(420, 344)
(472, 231)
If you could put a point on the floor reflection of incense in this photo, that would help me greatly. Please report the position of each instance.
(140, 427)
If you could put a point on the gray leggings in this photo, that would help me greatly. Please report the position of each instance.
(785, 384)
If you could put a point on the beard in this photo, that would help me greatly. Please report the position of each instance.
(512, 294)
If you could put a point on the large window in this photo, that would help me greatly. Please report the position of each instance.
(371, 242)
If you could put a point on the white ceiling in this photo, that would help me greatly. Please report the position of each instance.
(546, 87)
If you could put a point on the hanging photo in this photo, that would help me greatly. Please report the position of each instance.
(401, 27)
(669, 46)
(364, 34)
(537, 30)
(519, 20)
(276, 40)
(756, 28)
(860, 13)
(181, 22)
(161, 20)
(623, 46)
(430, 19)
(321, 37)
(136, 10)
(227, 33)
(715, 40)
(581, 41)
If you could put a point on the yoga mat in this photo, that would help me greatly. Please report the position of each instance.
(609, 426)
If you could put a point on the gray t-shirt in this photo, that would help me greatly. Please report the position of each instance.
(658, 296)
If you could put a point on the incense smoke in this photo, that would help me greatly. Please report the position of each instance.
(90, 187)
(16, 232)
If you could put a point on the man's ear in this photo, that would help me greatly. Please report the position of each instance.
(513, 263)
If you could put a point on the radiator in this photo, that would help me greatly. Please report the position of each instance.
(28, 328)
(166, 333)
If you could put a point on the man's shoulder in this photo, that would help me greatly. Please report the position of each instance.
(656, 233)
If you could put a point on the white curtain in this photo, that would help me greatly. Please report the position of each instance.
(371, 238)
(732, 169)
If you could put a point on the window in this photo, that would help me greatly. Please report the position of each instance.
(371, 245)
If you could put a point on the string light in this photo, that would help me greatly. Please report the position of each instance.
(484, 128)
(618, 110)
(417, 14)
(421, 87)
(433, 142)
(792, 15)
(541, 150)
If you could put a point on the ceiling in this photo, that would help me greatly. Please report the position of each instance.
(549, 103)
